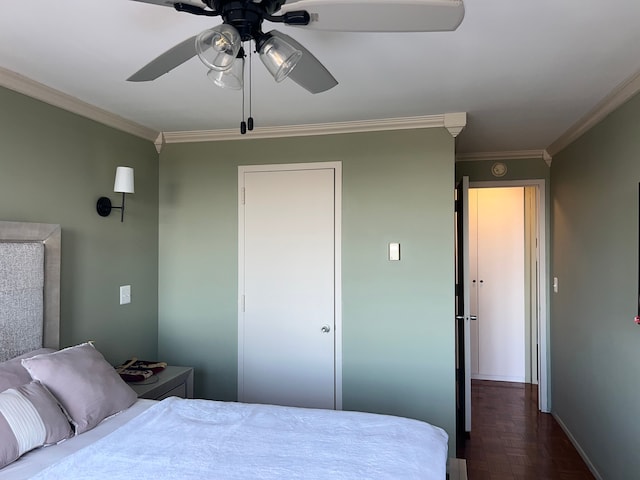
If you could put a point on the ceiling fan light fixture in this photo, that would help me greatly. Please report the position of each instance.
(232, 78)
(279, 56)
(218, 47)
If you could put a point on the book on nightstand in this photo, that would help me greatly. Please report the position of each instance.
(134, 370)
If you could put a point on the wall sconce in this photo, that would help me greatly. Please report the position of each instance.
(123, 184)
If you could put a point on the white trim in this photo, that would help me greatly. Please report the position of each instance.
(608, 104)
(159, 142)
(240, 306)
(337, 167)
(577, 446)
(452, 121)
(455, 122)
(338, 283)
(21, 84)
(508, 155)
(543, 323)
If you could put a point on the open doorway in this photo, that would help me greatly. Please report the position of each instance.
(507, 252)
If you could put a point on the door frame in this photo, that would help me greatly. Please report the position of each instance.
(543, 283)
(337, 287)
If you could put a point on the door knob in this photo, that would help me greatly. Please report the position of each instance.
(473, 317)
(326, 329)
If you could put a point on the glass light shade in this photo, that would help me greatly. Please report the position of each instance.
(124, 180)
(279, 57)
(218, 46)
(232, 78)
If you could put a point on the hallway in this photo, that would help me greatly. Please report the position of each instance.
(511, 440)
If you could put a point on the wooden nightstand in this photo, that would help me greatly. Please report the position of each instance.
(171, 382)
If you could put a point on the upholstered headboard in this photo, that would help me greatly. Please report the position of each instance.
(29, 287)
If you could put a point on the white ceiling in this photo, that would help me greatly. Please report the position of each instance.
(525, 71)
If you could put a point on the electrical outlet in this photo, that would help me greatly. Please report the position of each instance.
(125, 294)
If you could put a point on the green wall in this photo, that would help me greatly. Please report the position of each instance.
(53, 167)
(398, 329)
(517, 169)
(595, 343)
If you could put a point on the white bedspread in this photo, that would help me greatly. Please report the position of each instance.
(203, 439)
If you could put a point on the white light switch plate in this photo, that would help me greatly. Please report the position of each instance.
(394, 251)
(125, 294)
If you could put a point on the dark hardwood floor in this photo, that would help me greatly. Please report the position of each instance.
(511, 440)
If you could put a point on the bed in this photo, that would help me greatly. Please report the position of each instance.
(66, 414)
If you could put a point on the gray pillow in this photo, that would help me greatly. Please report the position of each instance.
(86, 385)
(13, 374)
(29, 418)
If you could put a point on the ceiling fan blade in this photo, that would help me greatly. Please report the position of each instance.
(166, 62)
(380, 15)
(170, 3)
(309, 73)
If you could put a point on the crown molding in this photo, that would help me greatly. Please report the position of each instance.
(508, 155)
(158, 142)
(21, 84)
(608, 104)
(454, 122)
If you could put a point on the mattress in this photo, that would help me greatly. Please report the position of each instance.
(37, 460)
(195, 439)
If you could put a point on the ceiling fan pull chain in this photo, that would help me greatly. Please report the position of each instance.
(243, 124)
(250, 119)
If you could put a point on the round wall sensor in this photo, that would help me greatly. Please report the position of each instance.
(499, 169)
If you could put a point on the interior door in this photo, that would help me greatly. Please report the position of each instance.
(498, 283)
(287, 317)
(463, 318)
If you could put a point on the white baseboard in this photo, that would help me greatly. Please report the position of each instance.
(578, 447)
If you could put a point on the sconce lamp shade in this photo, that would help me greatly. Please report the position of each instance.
(124, 185)
(124, 180)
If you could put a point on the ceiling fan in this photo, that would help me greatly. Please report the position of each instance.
(221, 48)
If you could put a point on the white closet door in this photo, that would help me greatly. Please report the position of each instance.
(473, 277)
(500, 284)
(287, 344)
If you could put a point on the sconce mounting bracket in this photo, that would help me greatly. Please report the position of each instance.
(104, 206)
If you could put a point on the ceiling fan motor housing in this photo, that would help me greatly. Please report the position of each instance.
(245, 15)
